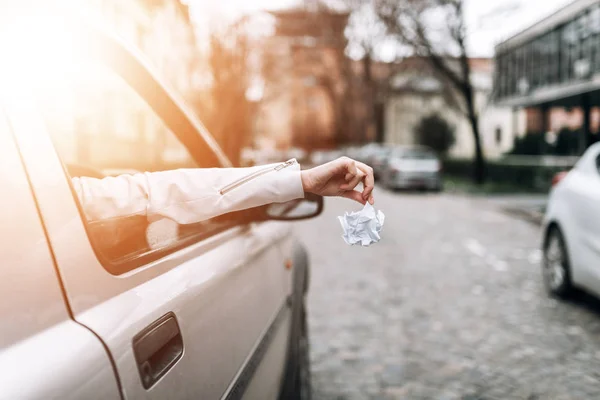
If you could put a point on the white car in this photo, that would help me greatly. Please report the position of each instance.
(110, 310)
(571, 242)
(412, 167)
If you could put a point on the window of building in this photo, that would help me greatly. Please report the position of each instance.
(100, 127)
(498, 133)
(595, 41)
(554, 57)
(513, 71)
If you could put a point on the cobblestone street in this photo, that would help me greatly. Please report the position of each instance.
(449, 305)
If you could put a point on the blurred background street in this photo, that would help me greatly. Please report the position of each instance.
(475, 110)
(448, 305)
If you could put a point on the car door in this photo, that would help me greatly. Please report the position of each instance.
(185, 311)
(583, 185)
(43, 352)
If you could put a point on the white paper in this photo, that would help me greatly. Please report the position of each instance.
(362, 227)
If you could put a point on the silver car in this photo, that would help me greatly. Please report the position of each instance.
(109, 310)
(378, 160)
(414, 167)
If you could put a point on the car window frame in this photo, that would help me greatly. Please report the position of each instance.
(130, 65)
(126, 62)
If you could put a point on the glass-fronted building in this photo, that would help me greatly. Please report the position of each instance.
(553, 63)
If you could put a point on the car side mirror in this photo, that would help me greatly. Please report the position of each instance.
(308, 207)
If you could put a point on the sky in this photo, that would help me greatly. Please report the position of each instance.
(489, 21)
(492, 21)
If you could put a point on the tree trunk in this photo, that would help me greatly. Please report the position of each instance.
(478, 162)
(373, 107)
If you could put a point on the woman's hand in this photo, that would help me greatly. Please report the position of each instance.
(339, 178)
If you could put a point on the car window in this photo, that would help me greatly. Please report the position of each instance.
(101, 127)
(416, 154)
(598, 163)
(384, 152)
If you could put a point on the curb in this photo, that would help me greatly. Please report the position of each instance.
(534, 217)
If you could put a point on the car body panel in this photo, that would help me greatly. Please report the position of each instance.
(378, 160)
(406, 169)
(43, 352)
(65, 361)
(412, 179)
(223, 290)
(209, 279)
(574, 205)
(270, 372)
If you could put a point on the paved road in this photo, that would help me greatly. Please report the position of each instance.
(449, 305)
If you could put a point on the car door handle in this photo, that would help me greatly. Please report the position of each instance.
(157, 348)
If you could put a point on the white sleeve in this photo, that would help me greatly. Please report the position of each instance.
(189, 195)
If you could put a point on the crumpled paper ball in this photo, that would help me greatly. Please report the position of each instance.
(362, 227)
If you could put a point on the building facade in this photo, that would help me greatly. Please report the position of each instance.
(304, 70)
(552, 69)
(417, 91)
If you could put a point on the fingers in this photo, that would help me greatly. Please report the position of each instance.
(354, 180)
(368, 181)
(351, 173)
(356, 172)
(354, 195)
(350, 165)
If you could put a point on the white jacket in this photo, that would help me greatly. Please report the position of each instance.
(189, 195)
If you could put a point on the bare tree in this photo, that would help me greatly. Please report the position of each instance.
(367, 33)
(229, 117)
(411, 21)
(360, 106)
(317, 55)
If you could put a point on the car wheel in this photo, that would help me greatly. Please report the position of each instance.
(556, 268)
(302, 385)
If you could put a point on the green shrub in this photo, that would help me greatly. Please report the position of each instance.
(567, 142)
(531, 144)
(436, 133)
(535, 178)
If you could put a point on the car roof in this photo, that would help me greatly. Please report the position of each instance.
(413, 148)
(588, 161)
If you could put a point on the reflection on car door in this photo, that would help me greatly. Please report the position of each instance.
(43, 352)
(585, 238)
(180, 326)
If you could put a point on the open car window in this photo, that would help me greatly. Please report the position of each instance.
(101, 126)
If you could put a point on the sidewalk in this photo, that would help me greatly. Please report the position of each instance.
(530, 207)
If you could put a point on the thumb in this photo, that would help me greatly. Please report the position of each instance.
(354, 195)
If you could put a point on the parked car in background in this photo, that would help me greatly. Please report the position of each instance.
(571, 229)
(365, 152)
(414, 167)
(378, 160)
(323, 156)
(355, 152)
(128, 308)
(295, 152)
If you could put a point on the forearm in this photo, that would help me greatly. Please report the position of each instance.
(188, 195)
